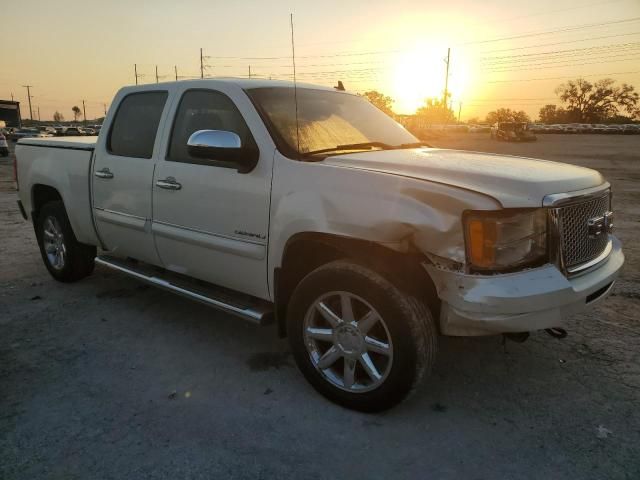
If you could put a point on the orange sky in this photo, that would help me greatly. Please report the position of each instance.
(503, 54)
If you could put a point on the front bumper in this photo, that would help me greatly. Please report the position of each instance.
(524, 301)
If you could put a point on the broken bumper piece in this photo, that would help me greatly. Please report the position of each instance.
(524, 301)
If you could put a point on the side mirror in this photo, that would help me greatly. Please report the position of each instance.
(222, 146)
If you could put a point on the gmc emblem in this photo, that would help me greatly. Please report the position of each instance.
(599, 225)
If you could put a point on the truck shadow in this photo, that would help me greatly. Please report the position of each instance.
(476, 376)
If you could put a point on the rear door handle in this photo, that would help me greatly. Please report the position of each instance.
(169, 183)
(104, 173)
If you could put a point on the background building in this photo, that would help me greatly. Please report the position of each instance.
(10, 113)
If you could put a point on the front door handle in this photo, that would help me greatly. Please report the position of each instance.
(104, 173)
(169, 183)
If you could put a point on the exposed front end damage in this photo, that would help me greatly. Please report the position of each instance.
(528, 300)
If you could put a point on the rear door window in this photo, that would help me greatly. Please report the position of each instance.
(136, 124)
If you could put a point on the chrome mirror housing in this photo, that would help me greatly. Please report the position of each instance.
(213, 139)
(222, 146)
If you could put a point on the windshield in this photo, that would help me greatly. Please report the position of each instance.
(327, 121)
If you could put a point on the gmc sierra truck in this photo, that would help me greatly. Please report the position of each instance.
(309, 207)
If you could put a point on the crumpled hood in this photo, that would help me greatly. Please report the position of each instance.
(513, 181)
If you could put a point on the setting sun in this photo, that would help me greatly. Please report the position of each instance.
(420, 73)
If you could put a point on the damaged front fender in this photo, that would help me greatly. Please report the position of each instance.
(398, 212)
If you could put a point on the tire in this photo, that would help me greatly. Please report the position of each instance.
(404, 325)
(57, 241)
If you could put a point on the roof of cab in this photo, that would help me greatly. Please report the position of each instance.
(244, 83)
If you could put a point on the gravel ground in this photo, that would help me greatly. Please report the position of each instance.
(107, 378)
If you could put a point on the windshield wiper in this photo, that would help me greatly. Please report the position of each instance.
(369, 145)
(353, 146)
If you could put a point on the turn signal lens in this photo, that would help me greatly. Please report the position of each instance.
(482, 236)
(505, 239)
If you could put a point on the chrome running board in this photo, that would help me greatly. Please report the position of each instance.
(244, 306)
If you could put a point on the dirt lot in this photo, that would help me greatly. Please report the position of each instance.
(107, 378)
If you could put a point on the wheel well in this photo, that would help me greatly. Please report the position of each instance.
(307, 251)
(40, 195)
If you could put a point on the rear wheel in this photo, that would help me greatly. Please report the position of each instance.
(358, 340)
(66, 259)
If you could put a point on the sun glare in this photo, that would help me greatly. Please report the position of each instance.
(420, 73)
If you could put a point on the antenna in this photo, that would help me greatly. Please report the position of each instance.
(295, 84)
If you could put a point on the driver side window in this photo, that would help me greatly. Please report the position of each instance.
(204, 110)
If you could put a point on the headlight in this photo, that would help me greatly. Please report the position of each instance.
(505, 239)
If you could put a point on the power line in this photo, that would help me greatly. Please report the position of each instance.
(562, 78)
(548, 12)
(543, 67)
(385, 52)
(594, 49)
(581, 40)
(551, 32)
(526, 35)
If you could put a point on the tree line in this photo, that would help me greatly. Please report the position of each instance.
(59, 117)
(581, 102)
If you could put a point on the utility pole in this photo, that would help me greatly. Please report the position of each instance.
(84, 113)
(105, 109)
(175, 69)
(459, 111)
(28, 87)
(157, 81)
(39, 113)
(12, 97)
(201, 65)
(249, 72)
(446, 79)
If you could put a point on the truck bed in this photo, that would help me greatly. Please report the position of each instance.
(75, 143)
(64, 165)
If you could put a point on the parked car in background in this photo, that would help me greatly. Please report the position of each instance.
(512, 132)
(73, 132)
(479, 129)
(27, 133)
(615, 129)
(47, 130)
(4, 146)
(89, 131)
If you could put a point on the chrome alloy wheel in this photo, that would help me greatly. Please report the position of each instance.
(53, 241)
(348, 342)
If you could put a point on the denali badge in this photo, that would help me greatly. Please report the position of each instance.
(599, 225)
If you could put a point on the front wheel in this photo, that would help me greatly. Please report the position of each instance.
(66, 259)
(358, 339)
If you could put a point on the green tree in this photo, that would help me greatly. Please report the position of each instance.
(380, 100)
(597, 101)
(435, 111)
(76, 113)
(554, 114)
(507, 115)
(58, 117)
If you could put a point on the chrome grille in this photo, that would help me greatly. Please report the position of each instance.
(576, 247)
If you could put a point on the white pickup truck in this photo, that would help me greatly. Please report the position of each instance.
(310, 207)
